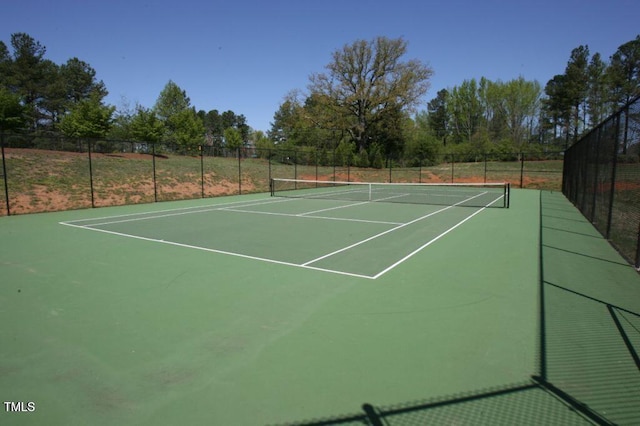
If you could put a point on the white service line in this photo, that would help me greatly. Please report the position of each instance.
(333, 208)
(344, 219)
(391, 197)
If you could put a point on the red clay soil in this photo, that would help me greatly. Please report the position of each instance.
(41, 198)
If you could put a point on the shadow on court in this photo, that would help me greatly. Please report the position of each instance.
(521, 404)
(588, 351)
(590, 318)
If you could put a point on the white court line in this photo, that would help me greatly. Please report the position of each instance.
(177, 209)
(390, 197)
(245, 256)
(433, 240)
(332, 208)
(320, 195)
(179, 213)
(305, 265)
(388, 231)
(302, 215)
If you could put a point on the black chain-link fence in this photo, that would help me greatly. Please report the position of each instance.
(602, 178)
(49, 172)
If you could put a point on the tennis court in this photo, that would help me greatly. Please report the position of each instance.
(331, 232)
(291, 309)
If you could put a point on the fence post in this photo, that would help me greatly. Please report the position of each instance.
(485, 167)
(269, 162)
(637, 265)
(239, 172)
(521, 170)
(334, 164)
(93, 204)
(613, 175)
(153, 161)
(201, 171)
(594, 198)
(453, 161)
(4, 174)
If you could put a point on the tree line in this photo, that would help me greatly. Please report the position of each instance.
(364, 106)
(589, 90)
(40, 96)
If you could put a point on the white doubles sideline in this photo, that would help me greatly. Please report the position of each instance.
(108, 220)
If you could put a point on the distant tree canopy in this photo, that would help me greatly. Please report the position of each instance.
(181, 125)
(12, 114)
(47, 91)
(366, 85)
(38, 95)
(365, 105)
(216, 124)
(589, 90)
(88, 118)
(174, 120)
(146, 126)
(361, 100)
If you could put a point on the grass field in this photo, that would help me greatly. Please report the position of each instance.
(40, 180)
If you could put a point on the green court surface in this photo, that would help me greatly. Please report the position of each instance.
(256, 310)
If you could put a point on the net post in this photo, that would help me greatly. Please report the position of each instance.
(507, 192)
(370, 188)
(271, 190)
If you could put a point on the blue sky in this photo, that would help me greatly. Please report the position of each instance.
(246, 55)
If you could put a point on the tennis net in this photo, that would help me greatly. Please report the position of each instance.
(457, 194)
